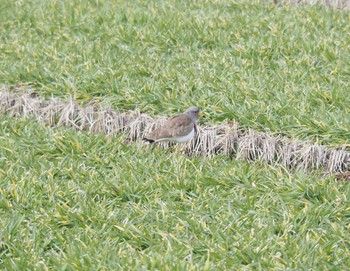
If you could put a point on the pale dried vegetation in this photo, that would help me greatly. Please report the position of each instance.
(228, 138)
(337, 4)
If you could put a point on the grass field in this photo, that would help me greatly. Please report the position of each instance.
(72, 200)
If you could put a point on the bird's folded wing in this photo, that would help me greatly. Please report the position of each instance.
(177, 126)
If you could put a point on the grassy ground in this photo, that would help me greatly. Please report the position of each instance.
(278, 68)
(86, 202)
(75, 201)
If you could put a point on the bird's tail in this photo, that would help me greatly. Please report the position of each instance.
(148, 140)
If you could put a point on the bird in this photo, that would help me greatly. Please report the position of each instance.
(178, 129)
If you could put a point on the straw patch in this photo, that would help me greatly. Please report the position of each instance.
(228, 138)
(338, 4)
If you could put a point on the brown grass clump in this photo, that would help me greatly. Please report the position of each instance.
(228, 138)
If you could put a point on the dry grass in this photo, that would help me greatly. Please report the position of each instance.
(338, 4)
(228, 138)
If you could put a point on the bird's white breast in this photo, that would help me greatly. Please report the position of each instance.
(179, 139)
(183, 139)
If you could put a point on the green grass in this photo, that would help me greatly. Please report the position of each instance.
(276, 68)
(75, 201)
(86, 202)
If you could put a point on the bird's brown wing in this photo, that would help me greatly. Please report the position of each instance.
(176, 126)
